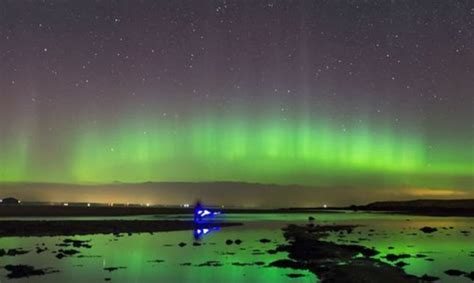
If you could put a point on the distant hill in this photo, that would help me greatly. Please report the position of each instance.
(229, 194)
(424, 206)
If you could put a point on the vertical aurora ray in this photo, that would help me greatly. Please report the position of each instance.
(15, 153)
(237, 146)
(219, 147)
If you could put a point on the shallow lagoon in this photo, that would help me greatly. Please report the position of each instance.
(151, 257)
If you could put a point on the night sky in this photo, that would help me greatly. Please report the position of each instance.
(372, 94)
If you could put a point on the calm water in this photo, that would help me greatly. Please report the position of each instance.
(448, 248)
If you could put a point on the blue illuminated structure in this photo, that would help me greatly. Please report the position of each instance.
(203, 215)
(202, 218)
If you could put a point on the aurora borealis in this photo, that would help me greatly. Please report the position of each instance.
(318, 93)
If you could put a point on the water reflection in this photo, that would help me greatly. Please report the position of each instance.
(201, 231)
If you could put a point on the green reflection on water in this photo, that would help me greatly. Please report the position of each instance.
(449, 248)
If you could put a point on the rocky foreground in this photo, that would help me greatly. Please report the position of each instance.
(333, 262)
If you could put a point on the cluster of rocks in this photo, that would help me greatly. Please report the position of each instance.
(333, 262)
(457, 273)
(21, 271)
(12, 252)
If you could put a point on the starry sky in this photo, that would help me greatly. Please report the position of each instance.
(372, 94)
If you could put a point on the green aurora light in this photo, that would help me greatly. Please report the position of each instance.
(217, 148)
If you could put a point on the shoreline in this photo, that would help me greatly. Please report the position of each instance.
(109, 211)
(98, 211)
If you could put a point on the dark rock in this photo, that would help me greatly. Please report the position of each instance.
(12, 252)
(22, 271)
(454, 272)
(156, 261)
(369, 252)
(182, 244)
(238, 241)
(40, 250)
(394, 257)
(212, 263)
(229, 242)
(470, 275)
(264, 241)
(428, 230)
(65, 253)
(110, 269)
(428, 278)
(77, 243)
(401, 264)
